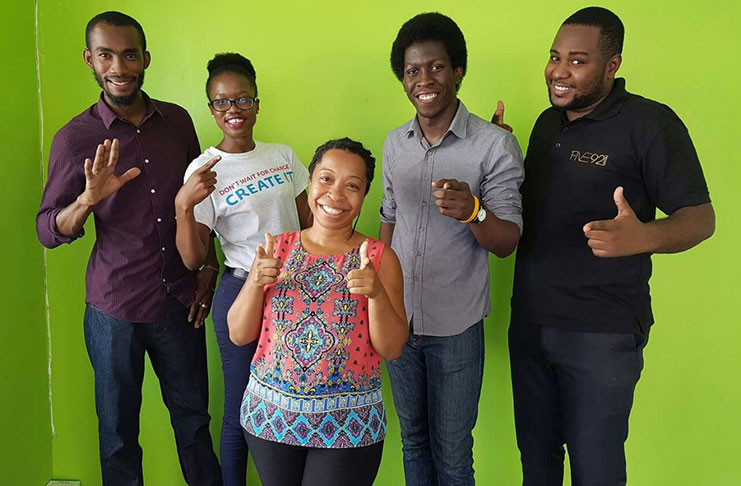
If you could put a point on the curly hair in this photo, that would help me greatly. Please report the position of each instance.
(348, 145)
(431, 26)
(611, 28)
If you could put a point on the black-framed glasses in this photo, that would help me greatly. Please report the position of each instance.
(243, 103)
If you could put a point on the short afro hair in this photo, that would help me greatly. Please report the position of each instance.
(431, 26)
(611, 28)
(231, 62)
(119, 20)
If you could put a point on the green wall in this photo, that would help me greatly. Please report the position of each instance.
(25, 423)
(323, 72)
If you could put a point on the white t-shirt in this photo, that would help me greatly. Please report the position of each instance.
(255, 193)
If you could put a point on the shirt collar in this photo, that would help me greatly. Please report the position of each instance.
(108, 116)
(612, 103)
(457, 126)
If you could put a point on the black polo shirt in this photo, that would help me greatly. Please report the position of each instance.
(571, 172)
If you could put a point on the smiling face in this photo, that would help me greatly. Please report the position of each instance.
(235, 123)
(430, 81)
(118, 62)
(577, 74)
(337, 189)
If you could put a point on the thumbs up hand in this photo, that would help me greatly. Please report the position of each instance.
(625, 235)
(364, 280)
(498, 117)
(265, 268)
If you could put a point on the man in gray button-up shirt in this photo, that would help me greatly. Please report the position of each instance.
(451, 195)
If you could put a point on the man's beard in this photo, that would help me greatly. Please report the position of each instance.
(120, 100)
(579, 102)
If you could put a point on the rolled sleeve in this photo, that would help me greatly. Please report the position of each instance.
(66, 181)
(388, 203)
(500, 188)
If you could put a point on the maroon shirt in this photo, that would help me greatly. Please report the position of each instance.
(134, 263)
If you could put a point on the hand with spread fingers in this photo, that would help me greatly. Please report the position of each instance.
(364, 280)
(624, 235)
(265, 268)
(201, 306)
(498, 117)
(199, 185)
(100, 179)
(453, 198)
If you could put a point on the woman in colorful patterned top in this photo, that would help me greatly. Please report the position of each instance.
(326, 306)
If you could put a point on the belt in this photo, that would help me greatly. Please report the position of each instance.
(238, 272)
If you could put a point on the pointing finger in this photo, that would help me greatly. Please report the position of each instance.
(208, 165)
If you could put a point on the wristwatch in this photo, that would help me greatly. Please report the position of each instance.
(480, 216)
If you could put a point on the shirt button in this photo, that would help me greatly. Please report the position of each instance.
(565, 129)
(419, 253)
(146, 161)
(152, 191)
(429, 152)
(416, 278)
(558, 144)
(424, 203)
(163, 248)
(138, 131)
(159, 220)
(163, 280)
(421, 228)
(427, 178)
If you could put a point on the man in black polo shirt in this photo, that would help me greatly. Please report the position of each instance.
(599, 163)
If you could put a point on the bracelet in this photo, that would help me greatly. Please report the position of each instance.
(476, 206)
(209, 267)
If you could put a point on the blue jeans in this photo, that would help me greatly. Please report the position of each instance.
(178, 354)
(573, 388)
(235, 364)
(436, 385)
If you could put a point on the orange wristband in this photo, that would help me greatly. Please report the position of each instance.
(476, 206)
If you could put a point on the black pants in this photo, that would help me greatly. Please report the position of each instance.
(286, 465)
(573, 388)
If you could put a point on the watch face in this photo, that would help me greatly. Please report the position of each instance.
(481, 215)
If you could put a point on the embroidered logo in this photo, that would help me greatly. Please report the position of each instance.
(589, 158)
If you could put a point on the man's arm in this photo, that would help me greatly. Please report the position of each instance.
(454, 199)
(386, 233)
(626, 235)
(100, 182)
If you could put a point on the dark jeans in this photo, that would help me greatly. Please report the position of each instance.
(235, 364)
(436, 385)
(573, 388)
(286, 465)
(178, 354)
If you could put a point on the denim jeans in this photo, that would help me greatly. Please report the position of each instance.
(573, 388)
(436, 385)
(178, 354)
(235, 364)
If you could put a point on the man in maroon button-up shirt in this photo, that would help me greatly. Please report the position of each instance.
(139, 292)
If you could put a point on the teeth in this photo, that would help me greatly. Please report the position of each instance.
(427, 96)
(234, 121)
(332, 211)
(561, 88)
(120, 83)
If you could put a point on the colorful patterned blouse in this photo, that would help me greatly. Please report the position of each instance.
(315, 379)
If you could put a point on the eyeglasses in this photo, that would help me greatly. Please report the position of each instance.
(223, 104)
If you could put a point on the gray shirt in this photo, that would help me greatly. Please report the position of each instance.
(446, 272)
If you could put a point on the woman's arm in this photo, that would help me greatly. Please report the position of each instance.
(387, 321)
(245, 315)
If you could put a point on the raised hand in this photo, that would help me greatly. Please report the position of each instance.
(624, 235)
(498, 117)
(453, 199)
(364, 280)
(100, 180)
(265, 268)
(199, 185)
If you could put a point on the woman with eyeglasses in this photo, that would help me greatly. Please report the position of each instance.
(240, 189)
(326, 306)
